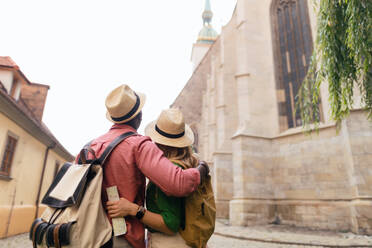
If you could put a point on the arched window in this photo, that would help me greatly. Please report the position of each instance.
(292, 44)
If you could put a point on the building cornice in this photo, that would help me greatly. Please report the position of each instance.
(10, 108)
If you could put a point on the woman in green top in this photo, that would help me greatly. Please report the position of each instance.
(165, 214)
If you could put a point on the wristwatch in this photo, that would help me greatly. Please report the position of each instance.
(140, 212)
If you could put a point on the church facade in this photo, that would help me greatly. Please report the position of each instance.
(240, 103)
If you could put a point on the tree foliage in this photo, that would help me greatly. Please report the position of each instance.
(342, 57)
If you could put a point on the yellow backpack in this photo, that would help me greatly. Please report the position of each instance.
(200, 214)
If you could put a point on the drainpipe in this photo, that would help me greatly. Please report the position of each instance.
(10, 212)
(42, 178)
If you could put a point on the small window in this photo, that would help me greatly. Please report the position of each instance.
(6, 162)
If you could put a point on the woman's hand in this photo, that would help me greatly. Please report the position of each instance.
(121, 208)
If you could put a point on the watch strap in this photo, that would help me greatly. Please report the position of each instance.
(140, 212)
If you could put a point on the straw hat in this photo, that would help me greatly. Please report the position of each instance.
(170, 129)
(123, 104)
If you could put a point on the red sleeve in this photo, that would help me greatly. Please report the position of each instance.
(171, 179)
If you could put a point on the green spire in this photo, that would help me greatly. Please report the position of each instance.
(207, 14)
(207, 34)
(207, 6)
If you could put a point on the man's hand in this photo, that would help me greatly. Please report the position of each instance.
(121, 208)
(203, 170)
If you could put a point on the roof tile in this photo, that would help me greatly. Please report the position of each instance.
(7, 61)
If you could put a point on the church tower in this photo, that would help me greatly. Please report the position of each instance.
(206, 37)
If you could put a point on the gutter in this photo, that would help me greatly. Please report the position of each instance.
(9, 108)
(42, 178)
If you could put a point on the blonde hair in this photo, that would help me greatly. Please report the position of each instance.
(183, 154)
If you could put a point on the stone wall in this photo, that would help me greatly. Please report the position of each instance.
(359, 132)
(320, 181)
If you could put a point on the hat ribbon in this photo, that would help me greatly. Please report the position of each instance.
(130, 113)
(168, 135)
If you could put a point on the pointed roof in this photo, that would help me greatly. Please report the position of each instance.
(207, 6)
(7, 62)
(207, 13)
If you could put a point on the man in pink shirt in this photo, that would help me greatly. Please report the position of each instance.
(136, 157)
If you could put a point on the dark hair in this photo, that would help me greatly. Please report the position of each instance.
(135, 122)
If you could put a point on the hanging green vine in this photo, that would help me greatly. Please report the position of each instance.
(342, 57)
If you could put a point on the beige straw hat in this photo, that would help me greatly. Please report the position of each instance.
(123, 104)
(170, 129)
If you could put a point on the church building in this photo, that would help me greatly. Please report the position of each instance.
(240, 102)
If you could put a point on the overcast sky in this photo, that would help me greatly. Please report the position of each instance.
(85, 48)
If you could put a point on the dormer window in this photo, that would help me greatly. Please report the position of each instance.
(15, 90)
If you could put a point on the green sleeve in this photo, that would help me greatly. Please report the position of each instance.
(171, 210)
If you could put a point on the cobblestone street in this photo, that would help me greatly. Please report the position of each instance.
(22, 241)
(270, 236)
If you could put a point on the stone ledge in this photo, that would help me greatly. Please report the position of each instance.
(315, 214)
(242, 130)
(283, 234)
(304, 200)
(222, 152)
(5, 178)
(242, 75)
(289, 132)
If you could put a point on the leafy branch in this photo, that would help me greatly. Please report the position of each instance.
(342, 57)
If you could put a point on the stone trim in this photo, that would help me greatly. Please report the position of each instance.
(289, 132)
(221, 106)
(5, 178)
(240, 24)
(238, 75)
(222, 153)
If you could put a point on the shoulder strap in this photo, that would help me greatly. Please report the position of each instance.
(85, 151)
(112, 145)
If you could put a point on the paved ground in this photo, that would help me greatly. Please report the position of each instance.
(282, 236)
(19, 241)
(271, 236)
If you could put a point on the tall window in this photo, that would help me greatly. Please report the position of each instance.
(292, 43)
(6, 162)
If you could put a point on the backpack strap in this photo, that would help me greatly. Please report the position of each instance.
(56, 240)
(112, 145)
(82, 159)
